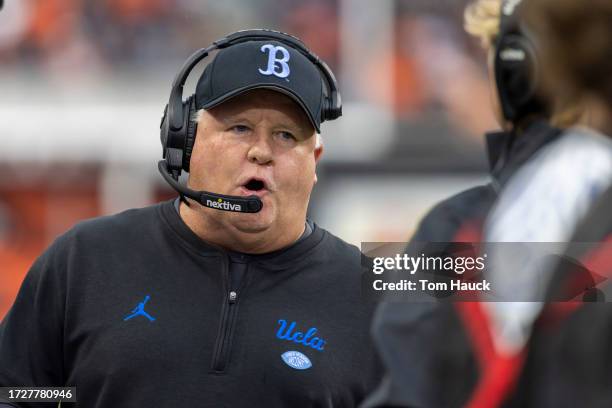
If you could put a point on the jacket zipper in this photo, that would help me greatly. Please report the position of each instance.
(228, 318)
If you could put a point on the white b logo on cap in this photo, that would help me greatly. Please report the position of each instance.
(275, 63)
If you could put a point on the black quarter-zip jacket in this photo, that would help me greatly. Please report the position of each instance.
(420, 377)
(136, 311)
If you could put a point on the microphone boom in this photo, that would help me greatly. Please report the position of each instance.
(250, 204)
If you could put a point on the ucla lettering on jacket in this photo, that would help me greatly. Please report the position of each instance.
(288, 332)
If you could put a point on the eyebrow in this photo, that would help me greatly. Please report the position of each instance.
(227, 119)
(293, 126)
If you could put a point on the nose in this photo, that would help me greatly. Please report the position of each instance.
(260, 152)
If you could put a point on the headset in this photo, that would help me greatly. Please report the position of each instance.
(178, 127)
(517, 68)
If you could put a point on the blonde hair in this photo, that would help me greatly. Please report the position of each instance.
(481, 19)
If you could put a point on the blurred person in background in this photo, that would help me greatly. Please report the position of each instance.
(564, 196)
(183, 304)
(529, 123)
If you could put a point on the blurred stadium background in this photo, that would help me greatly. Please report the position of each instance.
(83, 84)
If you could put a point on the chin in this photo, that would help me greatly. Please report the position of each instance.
(253, 223)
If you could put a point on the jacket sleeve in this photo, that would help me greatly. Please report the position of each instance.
(31, 333)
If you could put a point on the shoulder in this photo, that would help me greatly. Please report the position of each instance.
(133, 224)
(443, 220)
(460, 203)
(334, 249)
(561, 183)
(334, 243)
(132, 221)
(568, 156)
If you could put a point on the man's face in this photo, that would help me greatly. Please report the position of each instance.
(259, 143)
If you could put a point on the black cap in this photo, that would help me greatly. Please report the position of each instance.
(262, 64)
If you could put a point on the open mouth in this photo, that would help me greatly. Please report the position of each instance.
(255, 185)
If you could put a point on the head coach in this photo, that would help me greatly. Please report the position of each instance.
(227, 296)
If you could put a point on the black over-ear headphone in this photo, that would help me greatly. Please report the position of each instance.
(178, 127)
(517, 70)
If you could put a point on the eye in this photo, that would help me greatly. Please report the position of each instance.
(239, 129)
(287, 136)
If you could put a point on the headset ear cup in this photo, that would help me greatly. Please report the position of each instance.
(516, 80)
(192, 128)
(325, 113)
(163, 131)
(502, 72)
(330, 111)
(336, 111)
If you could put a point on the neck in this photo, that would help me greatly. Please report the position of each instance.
(521, 126)
(597, 116)
(604, 122)
(216, 231)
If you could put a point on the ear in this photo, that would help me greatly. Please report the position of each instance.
(318, 152)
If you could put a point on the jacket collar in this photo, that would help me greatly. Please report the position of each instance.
(274, 260)
(507, 151)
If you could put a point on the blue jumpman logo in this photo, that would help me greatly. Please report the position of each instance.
(139, 310)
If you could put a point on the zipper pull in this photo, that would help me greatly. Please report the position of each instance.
(232, 297)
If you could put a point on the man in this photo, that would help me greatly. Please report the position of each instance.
(182, 305)
(416, 376)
